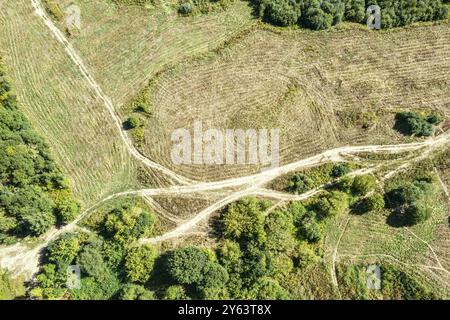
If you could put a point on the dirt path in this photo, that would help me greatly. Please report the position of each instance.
(22, 260)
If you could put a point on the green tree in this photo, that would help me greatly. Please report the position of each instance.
(355, 10)
(300, 184)
(176, 292)
(417, 213)
(364, 184)
(10, 288)
(309, 229)
(66, 208)
(132, 291)
(333, 204)
(434, 118)
(268, 289)
(281, 12)
(186, 265)
(63, 251)
(373, 203)
(139, 263)
(132, 123)
(91, 260)
(230, 255)
(128, 223)
(244, 220)
(280, 231)
(341, 169)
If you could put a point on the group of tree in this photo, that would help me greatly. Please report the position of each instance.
(34, 196)
(256, 254)
(113, 265)
(305, 181)
(322, 14)
(412, 202)
(413, 123)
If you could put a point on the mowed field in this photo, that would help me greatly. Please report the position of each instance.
(61, 106)
(125, 46)
(318, 88)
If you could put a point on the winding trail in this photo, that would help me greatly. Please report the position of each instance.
(22, 260)
(40, 12)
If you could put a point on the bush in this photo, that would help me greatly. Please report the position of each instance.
(175, 293)
(132, 123)
(364, 184)
(185, 9)
(372, 203)
(355, 10)
(300, 184)
(333, 204)
(280, 231)
(229, 255)
(412, 123)
(33, 193)
(128, 223)
(215, 276)
(341, 170)
(322, 14)
(434, 118)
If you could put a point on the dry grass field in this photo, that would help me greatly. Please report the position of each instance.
(61, 106)
(125, 46)
(319, 88)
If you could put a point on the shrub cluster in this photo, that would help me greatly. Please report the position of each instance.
(412, 123)
(322, 14)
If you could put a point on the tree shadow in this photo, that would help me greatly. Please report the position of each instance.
(396, 220)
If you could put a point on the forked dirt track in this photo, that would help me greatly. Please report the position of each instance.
(22, 260)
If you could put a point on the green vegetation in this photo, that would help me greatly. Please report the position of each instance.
(193, 7)
(341, 170)
(309, 179)
(139, 263)
(300, 183)
(34, 196)
(257, 256)
(410, 202)
(113, 265)
(412, 123)
(10, 288)
(322, 14)
(53, 9)
(364, 184)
